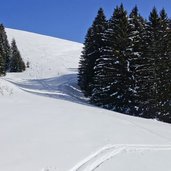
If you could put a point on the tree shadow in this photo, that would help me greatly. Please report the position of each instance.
(64, 87)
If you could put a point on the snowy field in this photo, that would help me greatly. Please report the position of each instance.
(47, 125)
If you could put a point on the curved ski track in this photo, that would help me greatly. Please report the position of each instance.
(95, 160)
(92, 162)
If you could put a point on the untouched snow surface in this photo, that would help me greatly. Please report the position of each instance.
(47, 125)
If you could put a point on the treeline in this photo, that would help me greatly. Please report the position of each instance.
(10, 57)
(126, 63)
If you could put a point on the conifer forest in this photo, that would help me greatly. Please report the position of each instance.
(10, 57)
(125, 65)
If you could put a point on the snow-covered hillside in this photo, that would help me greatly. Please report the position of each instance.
(47, 56)
(47, 125)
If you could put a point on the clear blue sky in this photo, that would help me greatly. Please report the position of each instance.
(68, 19)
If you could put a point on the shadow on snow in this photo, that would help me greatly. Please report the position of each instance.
(64, 87)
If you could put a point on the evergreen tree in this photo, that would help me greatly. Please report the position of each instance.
(164, 70)
(132, 71)
(2, 66)
(153, 67)
(103, 74)
(16, 64)
(147, 69)
(4, 47)
(84, 65)
(91, 52)
(111, 75)
(137, 46)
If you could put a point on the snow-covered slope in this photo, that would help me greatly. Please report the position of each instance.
(47, 56)
(47, 125)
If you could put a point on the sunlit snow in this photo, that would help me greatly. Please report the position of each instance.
(47, 125)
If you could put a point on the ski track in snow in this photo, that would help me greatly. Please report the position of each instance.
(92, 162)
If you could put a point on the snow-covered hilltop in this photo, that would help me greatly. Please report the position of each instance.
(47, 56)
(47, 125)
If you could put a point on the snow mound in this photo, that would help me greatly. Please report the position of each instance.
(6, 88)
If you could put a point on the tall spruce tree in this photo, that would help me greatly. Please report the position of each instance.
(16, 63)
(147, 70)
(103, 74)
(4, 47)
(91, 52)
(137, 35)
(152, 66)
(121, 78)
(164, 70)
(104, 70)
(111, 76)
(2, 66)
(84, 65)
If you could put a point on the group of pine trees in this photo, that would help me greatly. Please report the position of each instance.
(126, 63)
(10, 58)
